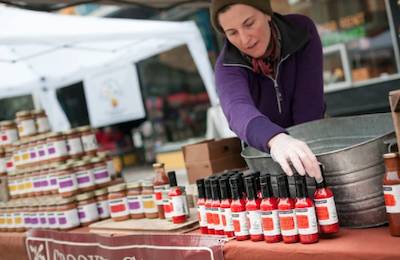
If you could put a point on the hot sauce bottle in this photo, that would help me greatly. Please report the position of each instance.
(215, 207)
(305, 213)
(201, 208)
(326, 208)
(287, 217)
(391, 190)
(225, 208)
(256, 176)
(269, 211)
(241, 185)
(253, 211)
(238, 209)
(176, 200)
(160, 184)
(210, 222)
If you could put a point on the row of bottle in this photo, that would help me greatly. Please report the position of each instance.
(225, 207)
(47, 148)
(67, 178)
(27, 124)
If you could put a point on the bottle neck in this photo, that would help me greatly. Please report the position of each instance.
(392, 164)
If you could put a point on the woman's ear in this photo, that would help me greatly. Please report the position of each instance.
(269, 18)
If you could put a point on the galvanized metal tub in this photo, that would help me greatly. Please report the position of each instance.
(351, 150)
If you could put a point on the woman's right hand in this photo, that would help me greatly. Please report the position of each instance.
(286, 149)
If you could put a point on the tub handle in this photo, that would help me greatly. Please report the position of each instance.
(391, 141)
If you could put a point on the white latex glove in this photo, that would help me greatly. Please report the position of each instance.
(286, 149)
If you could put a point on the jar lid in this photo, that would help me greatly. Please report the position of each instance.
(70, 131)
(118, 187)
(103, 154)
(96, 160)
(158, 164)
(23, 113)
(2, 150)
(64, 167)
(390, 155)
(10, 204)
(40, 137)
(54, 134)
(35, 168)
(133, 185)
(9, 150)
(62, 201)
(147, 184)
(32, 139)
(2, 205)
(52, 201)
(16, 143)
(38, 111)
(87, 157)
(28, 169)
(12, 173)
(100, 192)
(45, 166)
(85, 196)
(72, 161)
(22, 171)
(33, 203)
(80, 163)
(24, 141)
(56, 164)
(7, 122)
(84, 128)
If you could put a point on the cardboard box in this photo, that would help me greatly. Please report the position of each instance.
(4, 194)
(209, 157)
(394, 99)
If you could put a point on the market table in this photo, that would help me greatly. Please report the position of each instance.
(373, 243)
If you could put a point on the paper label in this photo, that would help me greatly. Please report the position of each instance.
(25, 156)
(111, 167)
(135, 204)
(306, 221)
(210, 221)
(35, 222)
(10, 164)
(3, 165)
(167, 209)
(74, 146)
(57, 149)
(85, 179)
(37, 183)
(27, 219)
(271, 225)
(2, 220)
(101, 175)
(119, 207)
(12, 187)
(33, 154)
(287, 219)
(68, 219)
(28, 185)
(149, 203)
(17, 158)
(89, 142)
(326, 211)
(177, 206)
(52, 180)
(201, 212)
(42, 125)
(44, 183)
(67, 183)
(21, 186)
(240, 223)
(88, 213)
(255, 222)
(9, 136)
(392, 198)
(227, 220)
(217, 219)
(18, 220)
(26, 127)
(52, 220)
(103, 207)
(42, 153)
(10, 220)
(43, 219)
(157, 192)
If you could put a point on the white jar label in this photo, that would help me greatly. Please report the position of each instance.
(3, 165)
(26, 127)
(88, 213)
(42, 125)
(44, 183)
(392, 198)
(21, 186)
(255, 222)
(201, 212)
(210, 220)
(37, 183)
(135, 204)
(10, 165)
(111, 167)
(271, 224)
(2, 220)
(167, 209)
(326, 211)
(67, 183)
(103, 207)
(68, 219)
(89, 142)
(9, 136)
(240, 223)
(35, 222)
(29, 185)
(119, 207)
(306, 221)
(43, 219)
(57, 149)
(10, 220)
(74, 146)
(85, 179)
(12, 187)
(287, 219)
(217, 220)
(157, 192)
(33, 154)
(149, 203)
(52, 179)
(25, 156)
(177, 206)
(101, 175)
(17, 158)
(27, 219)
(18, 220)
(227, 220)
(52, 220)
(42, 153)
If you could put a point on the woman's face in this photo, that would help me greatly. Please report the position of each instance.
(247, 29)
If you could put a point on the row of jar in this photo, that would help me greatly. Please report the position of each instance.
(46, 148)
(27, 124)
(64, 178)
(120, 202)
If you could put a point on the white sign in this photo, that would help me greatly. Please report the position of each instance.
(113, 96)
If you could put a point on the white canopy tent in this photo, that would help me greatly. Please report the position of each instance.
(41, 52)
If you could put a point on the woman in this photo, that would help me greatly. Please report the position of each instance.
(269, 77)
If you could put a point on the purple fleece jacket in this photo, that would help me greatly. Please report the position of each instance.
(250, 101)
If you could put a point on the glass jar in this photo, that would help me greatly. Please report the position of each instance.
(30, 190)
(51, 212)
(149, 201)
(20, 181)
(12, 185)
(101, 176)
(3, 226)
(32, 150)
(43, 155)
(161, 183)
(106, 155)
(74, 143)
(10, 165)
(56, 147)
(10, 217)
(26, 124)
(34, 215)
(8, 133)
(52, 176)
(37, 180)
(134, 195)
(103, 207)
(26, 215)
(67, 214)
(71, 161)
(18, 217)
(118, 202)
(42, 213)
(41, 121)
(16, 154)
(87, 209)
(66, 179)
(89, 140)
(166, 205)
(24, 153)
(3, 163)
(45, 185)
(84, 176)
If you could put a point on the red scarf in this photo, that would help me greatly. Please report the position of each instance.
(266, 64)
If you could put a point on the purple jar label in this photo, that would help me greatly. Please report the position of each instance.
(45, 183)
(134, 205)
(52, 150)
(37, 184)
(81, 214)
(66, 184)
(62, 221)
(101, 175)
(41, 153)
(100, 210)
(43, 220)
(68, 147)
(27, 220)
(34, 221)
(33, 155)
(83, 179)
(53, 182)
(52, 221)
